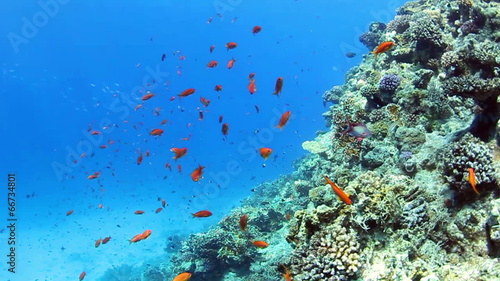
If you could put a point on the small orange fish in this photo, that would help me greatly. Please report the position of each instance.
(225, 129)
(136, 238)
(265, 152)
(68, 213)
(187, 92)
(179, 168)
(102, 146)
(148, 96)
(340, 193)
(244, 222)
(99, 206)
(139, 160)
(278, 86)
(231, 45)
(196, 174)
(212, 64)
(256, 29)
(82, 276)
(251, 86)
(260, 244)
(98, 242)
(137, 107)
(95, 133)
(251, 76)
(473, 180)
(106, 240)
(156, 132)
(287, 275)
(288, 216)
(93, 176)
(218, 88)
(204, 101)
(284, 119)
(179, 152)
(139, 212)
(383, 47)
(164, 122)
(185, 276)
(158, 210)
(202, 214)
(230, 64)
(146, 234)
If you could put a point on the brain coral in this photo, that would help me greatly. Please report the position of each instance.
(333, 254)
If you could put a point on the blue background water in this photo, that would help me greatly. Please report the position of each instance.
(79, 67)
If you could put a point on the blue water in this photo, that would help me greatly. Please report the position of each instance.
(69, 66)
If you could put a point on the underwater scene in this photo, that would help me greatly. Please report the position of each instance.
(229, 140)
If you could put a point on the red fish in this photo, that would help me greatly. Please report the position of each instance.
(260, 244)
(106, 240)
(472, 179)
(251, 86)
(69, 212)
(179, 152)
(265, 152)
(202, 214)
(197, 173)
(98, 243)
(212, 64)
(93, 176)
(164, 122)
(95, 133)
(204, 101)
(251, 75)
(225, 129)
(212, 48)
(147, 96)
(278, 86)
(156, 132)
(179, 168)
(230, 64)
(218, 88)
(139, 212)
(136, 238)
(168, 166)
(102, 146)
(244, 222)
(284, 119)
(256, 29)
(82, 276)
(187, 92)
(340, 193)
(158, 210)
(139, 160)
(383, 47)
(231, 45)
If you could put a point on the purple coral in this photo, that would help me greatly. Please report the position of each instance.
(389, 82)
(469, 27)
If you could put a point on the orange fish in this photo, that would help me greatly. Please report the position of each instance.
(256, 29)
(231, 45)
(260, 244)
(106, 240)
(69, 212)
(146, 234)
(251, 75)
(185, 276)
(187, 92)
(218, 88)
(179, 168)
(288, 216)
(473, 180)
(137, 107)
(98, 242)
(230, 64)
(95, 133)
(341, 194)
(278, 86)
(158, 210)
(136, 238)
(212, 48)
(139, 160)
(156, 132)
(164, 122)
(179, 152)
(284, 119)
(265, 152)
(204, 101)
(103, 146)
(148, 96)
(99, 206)
(139, 212)
(287, 275)
(212, 64)
(196, 174)
(244, 222)
(225, 129)
(82, 276)
(383, 47)
(251, 86)
(93, 176)
(202, 214)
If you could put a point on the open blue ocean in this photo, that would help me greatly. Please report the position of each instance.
(98, 95)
